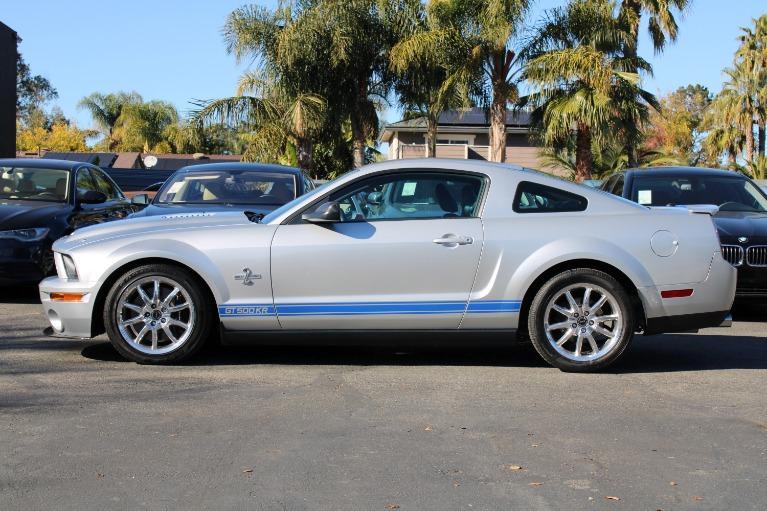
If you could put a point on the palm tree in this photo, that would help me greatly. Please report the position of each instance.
(275, 119)
(751, 58)
(422, 61)
(725, 133)
(581, 80)
(107, 110)
(662, 27)
(144, 126)
(740, 102)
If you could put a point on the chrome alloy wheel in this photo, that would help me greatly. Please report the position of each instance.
(155, 315)
(583, 322)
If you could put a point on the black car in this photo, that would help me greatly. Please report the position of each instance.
(741, 220)
(257, 187)
(42, 200)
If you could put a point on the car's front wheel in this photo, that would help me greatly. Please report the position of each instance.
(157, 313)
(581, 320)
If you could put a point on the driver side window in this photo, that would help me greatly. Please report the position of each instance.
(411, 195)
(84, 181)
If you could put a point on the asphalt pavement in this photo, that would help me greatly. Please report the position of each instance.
(679, 423)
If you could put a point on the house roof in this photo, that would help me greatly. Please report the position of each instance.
(465, 120)
(100, 159)
(128, 161)
(176, 161)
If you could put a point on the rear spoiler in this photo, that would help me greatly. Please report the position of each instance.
(701, 209)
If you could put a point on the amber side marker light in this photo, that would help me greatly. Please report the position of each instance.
(67, 297)
(676, 293)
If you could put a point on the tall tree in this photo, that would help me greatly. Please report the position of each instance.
(678, 128)
(106, 111)
(662, 27)
(751, 58)
(144, 126)
(426, 64)
(32, 93)
(484, 32)
(581, 79)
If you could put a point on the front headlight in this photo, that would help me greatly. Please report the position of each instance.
(69, 266)
(34, 234)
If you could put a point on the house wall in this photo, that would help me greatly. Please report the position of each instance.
(7, 92)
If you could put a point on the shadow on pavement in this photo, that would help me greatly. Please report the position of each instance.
(19, 294)
(662, 353)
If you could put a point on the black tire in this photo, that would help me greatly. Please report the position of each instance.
(201, 309)
(554, 287)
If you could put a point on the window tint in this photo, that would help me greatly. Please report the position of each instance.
(410, 195)
(84, 181)
(254, 187)
(729, 193)
(617, 188)
(104, 185)
(607, 186)
(537, 198)
(34, 184)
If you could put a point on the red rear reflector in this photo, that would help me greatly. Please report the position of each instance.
(676, 293)
(67, 297)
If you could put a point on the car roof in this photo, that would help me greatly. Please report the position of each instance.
(239, 166)
(39, 163)
(685, 171)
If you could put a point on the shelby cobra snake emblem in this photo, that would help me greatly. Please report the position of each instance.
(247, 276)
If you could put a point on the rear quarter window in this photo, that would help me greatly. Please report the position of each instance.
(537, 198)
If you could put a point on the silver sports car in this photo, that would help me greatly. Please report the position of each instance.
(429, 244)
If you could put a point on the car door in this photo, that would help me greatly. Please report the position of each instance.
(403, 256)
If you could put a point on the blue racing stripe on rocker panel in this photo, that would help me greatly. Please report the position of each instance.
(367, 308)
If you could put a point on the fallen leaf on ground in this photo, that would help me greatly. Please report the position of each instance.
(514, 467)
(697, 498)
(247, 471)
(611, 497)
(99, 475)
(391, 506)
(535, 485)
(456, 484)
(427, 428)
(673, 483)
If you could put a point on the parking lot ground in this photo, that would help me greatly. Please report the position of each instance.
(679, 423)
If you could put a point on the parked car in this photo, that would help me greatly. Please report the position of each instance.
(42, 200)
(254, 187)
(429, 245)
(150, 191)
(741, 219)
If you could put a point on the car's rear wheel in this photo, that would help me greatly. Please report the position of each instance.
(581, 320)
(157, 313)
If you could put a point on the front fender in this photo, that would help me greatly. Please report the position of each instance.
(173, 250)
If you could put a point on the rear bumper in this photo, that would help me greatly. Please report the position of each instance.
(708, 306)
(68, 319)
(685, 322)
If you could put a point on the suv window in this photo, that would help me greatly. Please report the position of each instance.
(105, 185)
(410, 195)
(537, 198)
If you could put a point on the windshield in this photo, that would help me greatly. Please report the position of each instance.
(20, 183)
(729, 193)
(251, 187)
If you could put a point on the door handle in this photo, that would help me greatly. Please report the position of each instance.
(453, 240)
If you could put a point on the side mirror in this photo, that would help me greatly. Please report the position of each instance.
(326, 213)
(141, 199)
(92, 197)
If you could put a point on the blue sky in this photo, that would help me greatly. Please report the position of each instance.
(173, 49)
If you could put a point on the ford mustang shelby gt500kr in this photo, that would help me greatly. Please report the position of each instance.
(403, 245)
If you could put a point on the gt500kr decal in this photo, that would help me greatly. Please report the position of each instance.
(368, 308)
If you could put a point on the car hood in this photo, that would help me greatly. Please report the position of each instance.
(171, 209)
(141, 226)
(735, 224)
(21, 214)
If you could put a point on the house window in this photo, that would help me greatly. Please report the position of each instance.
(452, 140)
